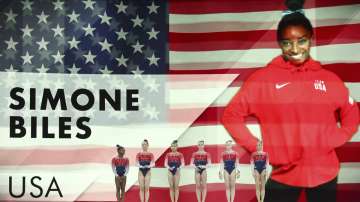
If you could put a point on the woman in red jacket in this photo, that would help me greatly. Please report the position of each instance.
(297, 103)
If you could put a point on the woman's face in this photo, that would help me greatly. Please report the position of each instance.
(259, 146)
(295, 44)
(121, 151)
(201, 145)
(228, 145)
(145, 146)
(174, 147)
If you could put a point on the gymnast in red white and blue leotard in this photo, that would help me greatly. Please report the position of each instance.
(174, 160)
(201, 159)
(230, 161)
(144, 160)
(229, 170)
(120, 167)
(259, 162)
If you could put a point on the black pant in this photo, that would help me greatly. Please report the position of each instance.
(278, 192)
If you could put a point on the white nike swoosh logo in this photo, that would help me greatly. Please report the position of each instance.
(278, 86)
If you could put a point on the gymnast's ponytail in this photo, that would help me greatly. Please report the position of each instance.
(293, 16)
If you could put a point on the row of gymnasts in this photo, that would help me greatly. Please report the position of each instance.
(200, 160)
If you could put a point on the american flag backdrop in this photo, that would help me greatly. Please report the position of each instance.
(84, 36)
(91, 45)
(239, 36)
(178, 37)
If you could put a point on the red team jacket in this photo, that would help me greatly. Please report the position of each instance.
(297, 109)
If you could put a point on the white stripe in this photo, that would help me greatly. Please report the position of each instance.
(217, 135)
(224, 98)
(200, 92)
(184, 98)
(347, 53)
(325, 16)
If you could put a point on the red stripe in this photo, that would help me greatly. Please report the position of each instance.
(222, 40)
(212, 116)
(345, 153)
(348, 72)
(209, 116)
(234, 6)
(243, 40)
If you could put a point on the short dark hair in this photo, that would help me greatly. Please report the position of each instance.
(146, 141)
(295, 18)
(119, 147)
(174, 142)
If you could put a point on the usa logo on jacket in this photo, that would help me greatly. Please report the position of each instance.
(320, 85)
